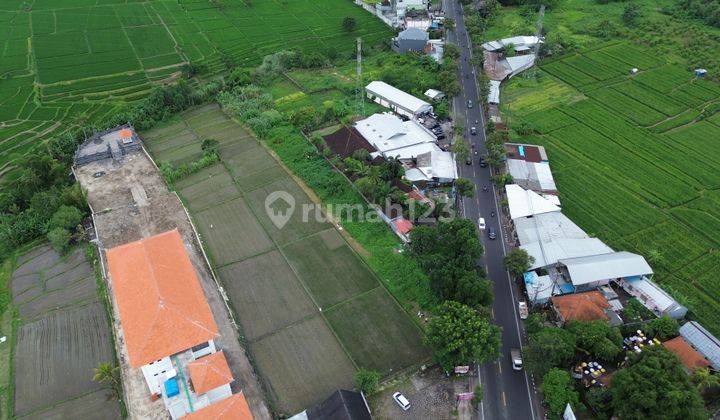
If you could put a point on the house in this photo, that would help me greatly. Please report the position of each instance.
(393, 137)
(113, 143)
(435, 167)
(434, 94)
(166, 322)
(588, 306)
(702, 341)
(210, 375)
(402, 228)
(529, 166)
(411, 39)
(689, 357)
(521, 44)
(494, 94)
(403, 7)
(524, 203)
(593, 271)
(232, 408)
(401, 102)
(652, 296)
(341, 405)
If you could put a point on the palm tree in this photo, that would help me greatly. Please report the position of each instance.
(107, 372)
(704, 379)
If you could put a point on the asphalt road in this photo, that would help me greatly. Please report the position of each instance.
(509, 394)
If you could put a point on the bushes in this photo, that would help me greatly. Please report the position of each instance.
(172, 174)
(59, 239)
(367, 381)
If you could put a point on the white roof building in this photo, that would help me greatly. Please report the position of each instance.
(521, 43)
(435, 165)
(605, 267)
(652, 296)
(397, 100)
(547, 227)
(520, 63)
(393, 137)
(434, 94)
(494, 95)
(549, 253)
(524, 203)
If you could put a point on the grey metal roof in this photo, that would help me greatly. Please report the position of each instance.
(341, 405)
(584, 270)
(546, 227)
(413, 33)
(549, 253)
(704, 342)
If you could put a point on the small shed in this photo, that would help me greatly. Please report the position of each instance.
(700, 72)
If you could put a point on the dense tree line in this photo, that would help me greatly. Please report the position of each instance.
(707, 10)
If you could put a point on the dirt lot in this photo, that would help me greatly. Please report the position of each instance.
(431, 395)
(122, 215)
(64, 335)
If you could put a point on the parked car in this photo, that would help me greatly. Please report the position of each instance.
(523, 309)
(491, 233)
(473, 131)
(516, 358)
(481, 223)
(469, 103)
(402, 401)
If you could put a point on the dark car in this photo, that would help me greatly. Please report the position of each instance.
(491, 233)
(469, 103)
(473, 131)
(483, 162)
(468, 161)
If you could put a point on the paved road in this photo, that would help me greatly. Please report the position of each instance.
(509, 394)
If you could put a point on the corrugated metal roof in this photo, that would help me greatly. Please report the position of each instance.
(546, 227)
(494, 94)
(525, 203)
(549, 253)
(701, 339)
(413, 33)
(398, 97)
(584, 270)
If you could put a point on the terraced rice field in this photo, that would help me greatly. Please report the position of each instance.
(634, 160)
(311, 310)
(73, 63)
(63, 334)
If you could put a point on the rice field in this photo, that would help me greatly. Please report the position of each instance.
(310, 309)
(634, 160)
(73, 63)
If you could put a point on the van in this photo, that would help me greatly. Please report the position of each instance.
(401, 401)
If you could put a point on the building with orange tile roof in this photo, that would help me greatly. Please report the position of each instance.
(162, 307)
(588, 306)
(690, 358)
(210, 372)
(232, 408)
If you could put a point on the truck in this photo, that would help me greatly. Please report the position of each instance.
(516, 359)
(523, 309)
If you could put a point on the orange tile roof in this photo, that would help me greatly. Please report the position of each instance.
(209, 372)
(691, 358)
(125, 133)
(588, 306)
(234, 407)
(163, 310)
(403, 225)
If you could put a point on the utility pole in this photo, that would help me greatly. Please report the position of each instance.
(538, 34)
(359, 93)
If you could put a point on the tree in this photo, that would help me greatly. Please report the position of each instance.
(654, 385)
(704, 379)
(518, 261)
(458, 336)
(478, 394)
(558, 391)
(66, 217)
(59, 239)
(461, 149)
(664, 327)
(449, 23)
(239, 77)
(548, 348)
(501, 180)
(367, 381)
(597, 338)
(107, 372)
(631, 13)
(349, 24)
(465, 187)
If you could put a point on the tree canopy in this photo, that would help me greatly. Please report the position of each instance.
(597, 338)
(518, 261)
(558, 391)
(459, 335)
(549, 348)
(654, 385)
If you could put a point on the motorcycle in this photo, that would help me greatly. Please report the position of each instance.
(485, 188)
(492, 214)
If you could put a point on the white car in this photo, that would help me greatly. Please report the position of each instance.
(402, 401)
(481, 223)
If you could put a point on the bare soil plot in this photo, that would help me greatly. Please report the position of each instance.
(55, 356)
(231, 232)
(329, 268)
(376, 332)
(303, 364)
(300, 224)
(100, 405)
(266, 294)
